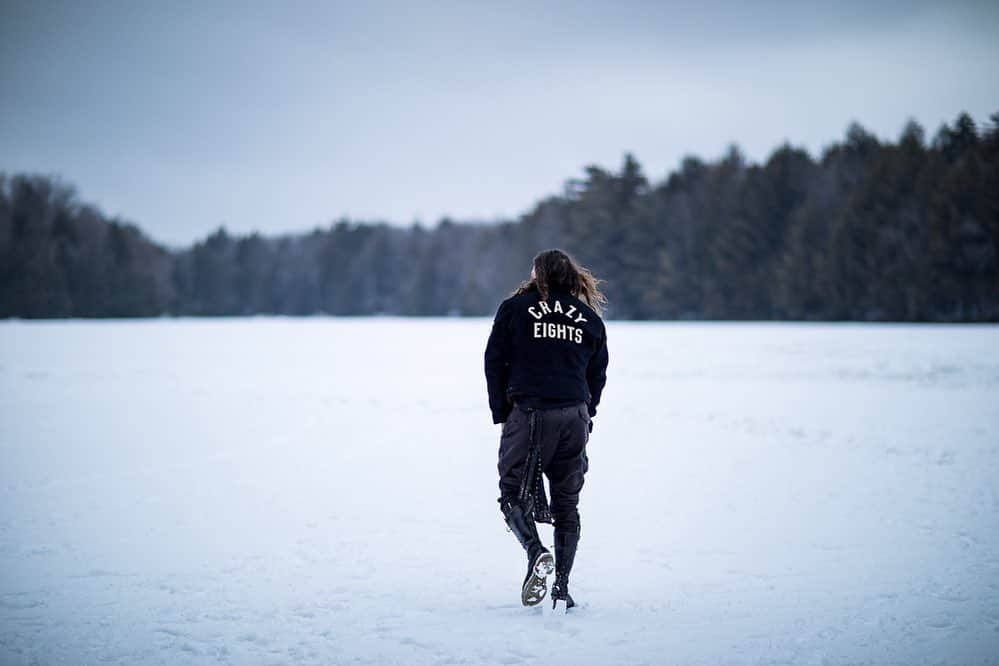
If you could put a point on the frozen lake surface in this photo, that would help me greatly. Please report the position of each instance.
(323, 491)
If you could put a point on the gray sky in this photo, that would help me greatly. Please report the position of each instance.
(286, 115)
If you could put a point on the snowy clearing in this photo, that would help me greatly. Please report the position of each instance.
(323, 491)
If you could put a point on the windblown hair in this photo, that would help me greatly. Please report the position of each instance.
(555, 270)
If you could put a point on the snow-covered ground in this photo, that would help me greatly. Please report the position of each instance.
(323, 491)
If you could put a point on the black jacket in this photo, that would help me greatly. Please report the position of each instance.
(549, 351)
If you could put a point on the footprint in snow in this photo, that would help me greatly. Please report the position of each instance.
(940, 621)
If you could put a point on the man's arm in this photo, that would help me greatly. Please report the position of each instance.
(596, 374)
(497, 362)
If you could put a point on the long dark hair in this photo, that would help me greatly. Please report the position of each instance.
(555, 270)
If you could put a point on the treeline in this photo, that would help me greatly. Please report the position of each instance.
(871, 230)
(59, 258)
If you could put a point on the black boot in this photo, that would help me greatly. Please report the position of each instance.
(539, 559)
(565, 553)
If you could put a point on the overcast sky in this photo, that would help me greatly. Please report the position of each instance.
(283, 116)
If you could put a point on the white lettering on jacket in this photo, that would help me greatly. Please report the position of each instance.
(555, 331)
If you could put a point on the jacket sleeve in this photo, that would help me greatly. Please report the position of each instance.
(497, 360)
(596, 374)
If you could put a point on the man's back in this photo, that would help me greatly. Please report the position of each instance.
(549, 351)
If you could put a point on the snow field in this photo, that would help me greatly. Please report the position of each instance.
(317, 491)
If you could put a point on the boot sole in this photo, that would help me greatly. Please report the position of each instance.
(535, 587)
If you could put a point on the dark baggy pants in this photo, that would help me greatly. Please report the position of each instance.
(562, 433)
